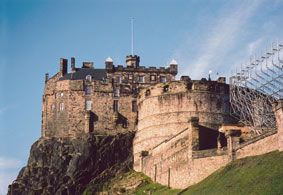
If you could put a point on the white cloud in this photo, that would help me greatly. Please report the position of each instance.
(9, 169)
(252, 46)
(218, 40)
(8, 163)
(5, 180)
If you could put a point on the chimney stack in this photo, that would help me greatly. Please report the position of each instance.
(63, 66)
(46, 77)
(73, 68)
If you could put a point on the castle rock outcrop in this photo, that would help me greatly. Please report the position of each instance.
(69, 165)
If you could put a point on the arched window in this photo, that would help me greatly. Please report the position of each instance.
(88, 78)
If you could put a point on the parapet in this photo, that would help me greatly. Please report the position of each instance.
(184, 85)
(133, 65)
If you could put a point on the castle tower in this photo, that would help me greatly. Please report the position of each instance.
(133, 61)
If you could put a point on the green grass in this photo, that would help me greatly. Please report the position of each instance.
(257, 175)
(261, 174)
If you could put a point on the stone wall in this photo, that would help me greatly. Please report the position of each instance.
(176, 164)
(259, 145)
(278, 108)
(164, 110)
(65, 112)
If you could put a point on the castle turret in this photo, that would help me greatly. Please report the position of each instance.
(133, 61)
(174, 67)
(109, 64)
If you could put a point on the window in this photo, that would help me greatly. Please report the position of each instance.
(115, 105)
(134, 106)
(118, 80)
(52, 107)
(116, 92)
(162, 79)
(153, 78)
(61, 94)
(61, 106)
(88, 90)
(166, 88)
(55, 96)
(88, 78)
(147, 93)
(130, 77)
(141, 79)
(88, 105)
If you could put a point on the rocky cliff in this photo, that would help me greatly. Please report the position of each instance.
(69, 165)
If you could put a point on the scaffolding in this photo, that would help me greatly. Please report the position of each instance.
(255, 87)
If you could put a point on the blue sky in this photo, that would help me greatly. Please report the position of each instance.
(201, 35)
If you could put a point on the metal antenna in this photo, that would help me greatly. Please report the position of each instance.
(132, 35)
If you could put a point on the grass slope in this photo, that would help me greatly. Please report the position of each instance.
(261, 174)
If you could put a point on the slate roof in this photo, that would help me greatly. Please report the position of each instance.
(81, 73)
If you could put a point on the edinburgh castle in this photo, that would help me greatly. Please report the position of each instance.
(183, 128)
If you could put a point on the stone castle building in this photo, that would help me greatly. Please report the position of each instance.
(184, 130)
(94, 100)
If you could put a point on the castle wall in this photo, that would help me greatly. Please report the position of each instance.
(260, 145)
(164, 110)
(175, 164)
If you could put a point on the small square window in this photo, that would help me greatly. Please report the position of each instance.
(141, 79)
(162, 79)
(116, 92)
(88, 90)
(153, 77)
(130, 77)
(88, 105)
(118, 80)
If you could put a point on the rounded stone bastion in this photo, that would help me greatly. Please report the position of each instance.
(165, 108)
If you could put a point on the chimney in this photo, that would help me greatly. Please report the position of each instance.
(133, 61)
(73, 68)
(63, 66)
(46, 77)
(87, 65)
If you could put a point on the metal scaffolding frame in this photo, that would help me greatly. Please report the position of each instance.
(255, 87)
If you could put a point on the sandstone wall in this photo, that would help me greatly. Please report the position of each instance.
(164, 110)
(260, 145)
(70, 119)
(173, 163)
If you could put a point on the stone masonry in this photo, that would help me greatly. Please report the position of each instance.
(183, 129)
(100, 101)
